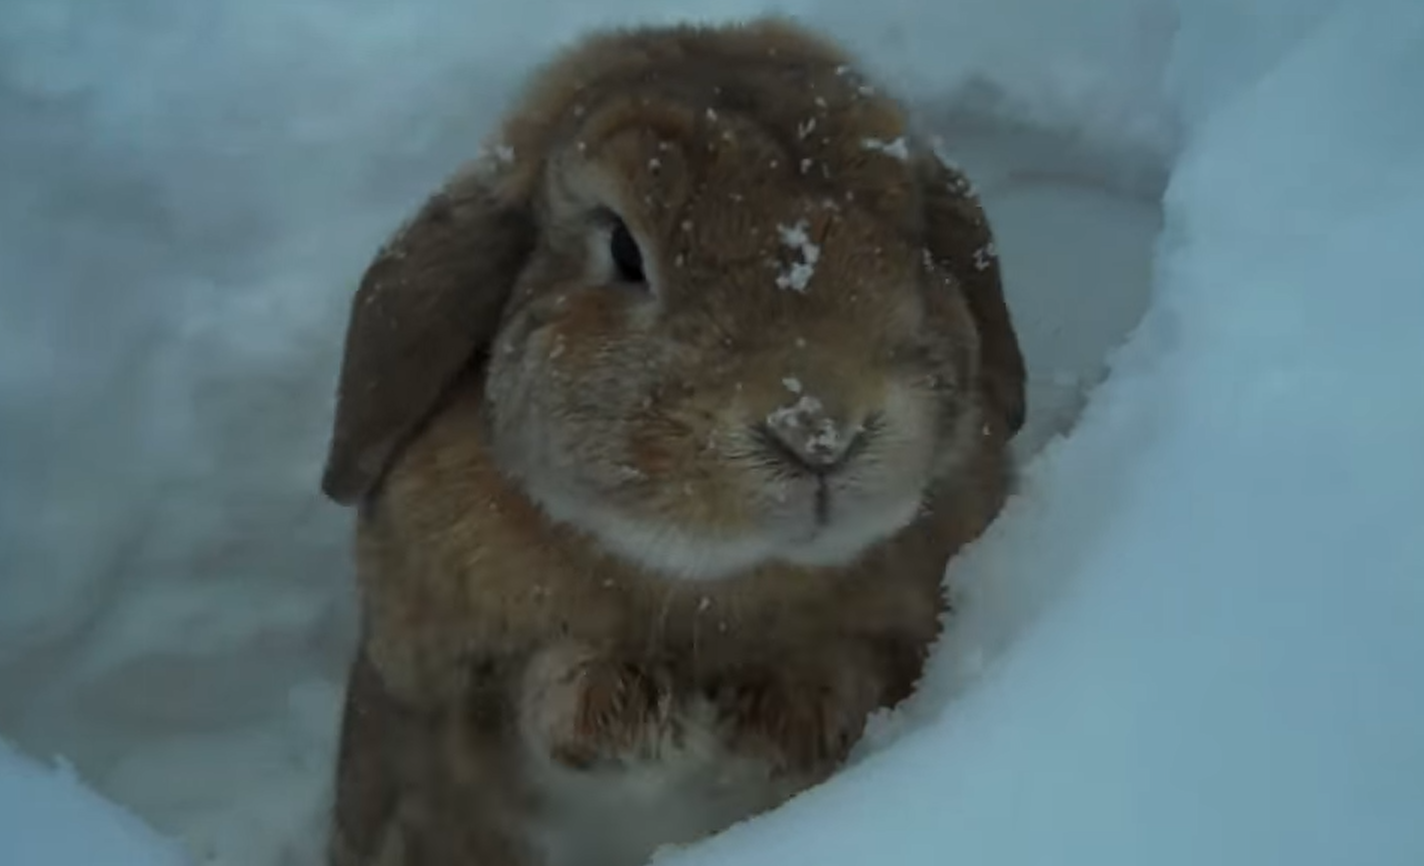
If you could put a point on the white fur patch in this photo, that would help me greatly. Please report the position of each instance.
(662, 549)
(681, 555)
(847, 540)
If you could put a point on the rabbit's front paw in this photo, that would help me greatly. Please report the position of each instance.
(583, 710)
(799, 724)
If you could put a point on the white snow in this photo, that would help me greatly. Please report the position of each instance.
(797, 275)
(897, 148)
(795, 414)
(49, 818)
(1194, 637)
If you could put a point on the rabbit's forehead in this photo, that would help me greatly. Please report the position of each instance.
(661, 157)
(729, 223)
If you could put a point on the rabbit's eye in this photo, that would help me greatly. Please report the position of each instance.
(626, 255)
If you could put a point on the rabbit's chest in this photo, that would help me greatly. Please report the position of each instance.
(710, 624)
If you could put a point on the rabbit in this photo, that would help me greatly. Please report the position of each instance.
(661, 420)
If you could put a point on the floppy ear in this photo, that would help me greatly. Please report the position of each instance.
(429, 302)
(958, 236)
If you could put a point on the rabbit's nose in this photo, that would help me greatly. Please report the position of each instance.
(806, 434)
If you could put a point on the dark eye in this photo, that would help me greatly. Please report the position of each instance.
(626, 255)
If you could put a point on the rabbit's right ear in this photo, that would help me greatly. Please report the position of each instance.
(428, 304)
(959, 238)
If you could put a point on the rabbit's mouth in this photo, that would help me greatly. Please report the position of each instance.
(828, 519)
(837, 534)
(818, 492)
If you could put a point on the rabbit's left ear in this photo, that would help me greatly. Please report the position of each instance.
(958, 237)
(429, 303)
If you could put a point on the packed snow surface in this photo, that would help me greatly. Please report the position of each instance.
(49, 818)
(1194, 637)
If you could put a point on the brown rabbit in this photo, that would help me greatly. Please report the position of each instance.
(663, 419)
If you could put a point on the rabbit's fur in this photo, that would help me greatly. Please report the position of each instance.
(639, 556)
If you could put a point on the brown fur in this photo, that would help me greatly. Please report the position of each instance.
(491, 630)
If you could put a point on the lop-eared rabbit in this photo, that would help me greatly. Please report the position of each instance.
(662, 419)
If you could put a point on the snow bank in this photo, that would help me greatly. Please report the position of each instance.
(49, 818)
(1194, 638)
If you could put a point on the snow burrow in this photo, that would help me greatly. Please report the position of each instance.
(1192, 638)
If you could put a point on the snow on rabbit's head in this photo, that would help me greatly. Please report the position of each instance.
(722, 304)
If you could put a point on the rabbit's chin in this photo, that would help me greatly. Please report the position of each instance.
(677, 553)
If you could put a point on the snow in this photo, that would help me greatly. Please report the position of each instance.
(797, 276)
(41, 809)
(1194, 637)
(805, 420)
(898, 148)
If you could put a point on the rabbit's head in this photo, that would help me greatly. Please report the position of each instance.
(724, 306)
